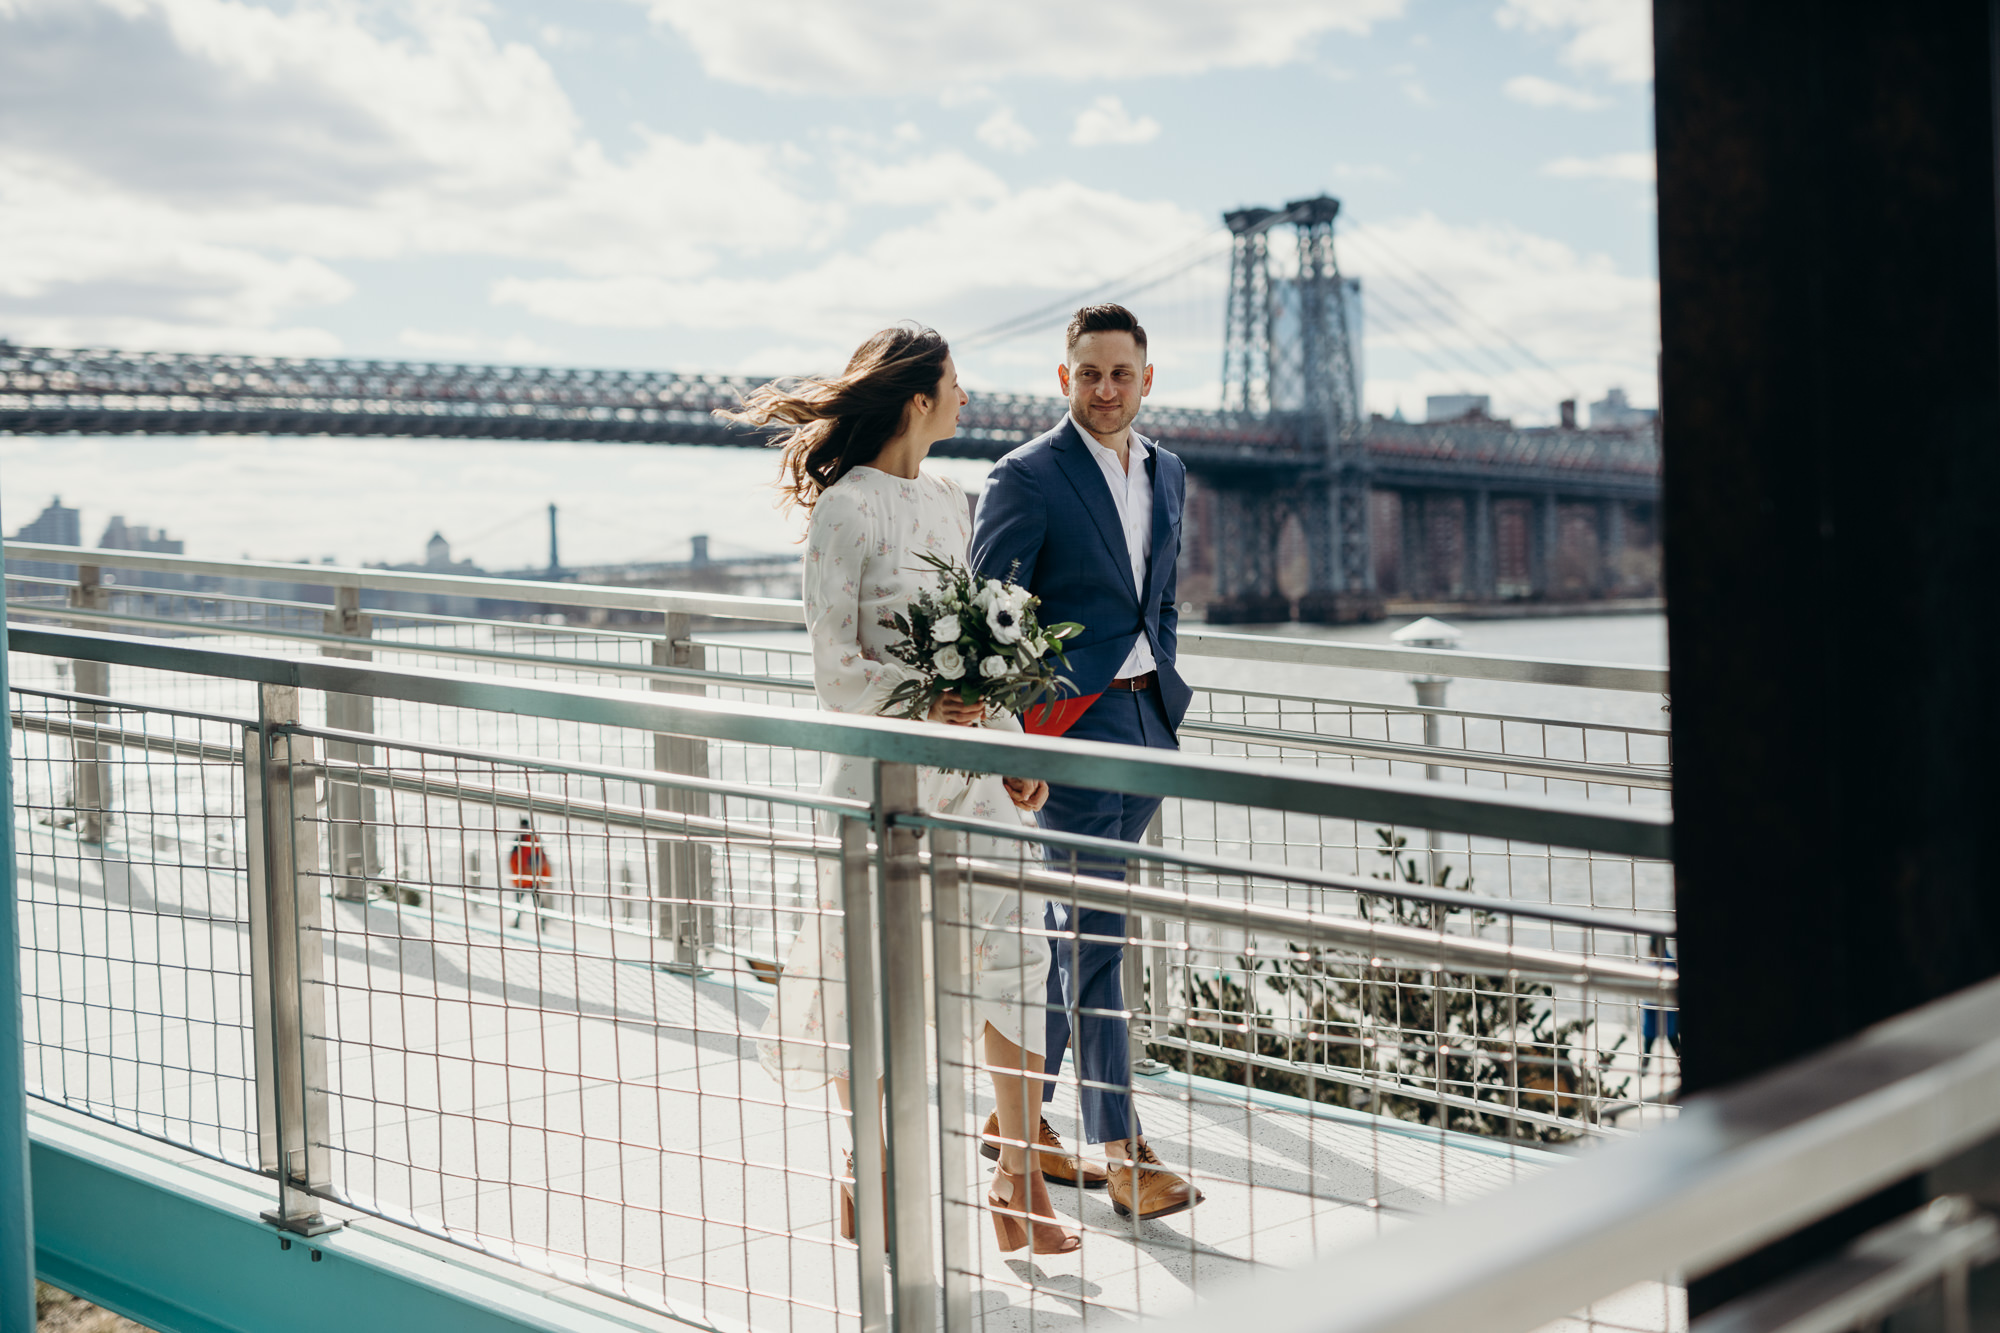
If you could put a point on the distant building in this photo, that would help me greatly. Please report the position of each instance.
(1457, 406)
(122, 536)
(58, 525)
(1614, 410)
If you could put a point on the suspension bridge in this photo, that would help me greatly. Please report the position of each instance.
(1302, 505)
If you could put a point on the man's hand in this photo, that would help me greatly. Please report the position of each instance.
(950, 709)
(1029, 794)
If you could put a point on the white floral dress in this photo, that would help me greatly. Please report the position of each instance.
(861, 563)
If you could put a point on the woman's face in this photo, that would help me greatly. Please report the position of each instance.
(940, 420)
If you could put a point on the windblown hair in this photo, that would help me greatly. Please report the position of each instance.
(840, 422)
(1106, 318)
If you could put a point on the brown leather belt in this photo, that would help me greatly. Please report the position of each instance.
(1134, 683)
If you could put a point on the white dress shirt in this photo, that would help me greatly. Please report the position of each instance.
(1132, 491)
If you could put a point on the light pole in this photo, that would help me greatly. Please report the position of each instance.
(1429, 633)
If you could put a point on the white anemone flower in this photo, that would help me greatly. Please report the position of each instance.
(946, 630)
(949, 662)
(1004, 620)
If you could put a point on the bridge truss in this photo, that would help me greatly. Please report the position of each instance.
(97, 391)
(1289, 443)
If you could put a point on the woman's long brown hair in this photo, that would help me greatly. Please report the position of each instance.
(840, 422)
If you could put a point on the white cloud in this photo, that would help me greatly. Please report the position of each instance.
(1611, 167)
(1106, 121)
(514, 347)
(894, 46)
(1577, 312)
(1537, 91)
(940, 178)
(199, 164)
(1003, 131)
(971, 255)
(1609, 37)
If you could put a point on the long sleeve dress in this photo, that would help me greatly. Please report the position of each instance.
(861, 563)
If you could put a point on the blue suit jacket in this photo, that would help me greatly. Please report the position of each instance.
(1047, 506)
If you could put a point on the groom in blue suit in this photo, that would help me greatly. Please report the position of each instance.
(1088, 518)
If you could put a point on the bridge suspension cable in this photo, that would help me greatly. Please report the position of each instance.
(1210, 245)
(1414, 330)
(534, 512)
(1387, 256)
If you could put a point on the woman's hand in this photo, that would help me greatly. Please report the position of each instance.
(1030, 794)
(951, 710)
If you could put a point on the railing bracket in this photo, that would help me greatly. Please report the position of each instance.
(312, 1224)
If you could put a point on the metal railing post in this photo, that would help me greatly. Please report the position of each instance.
(288, 1000)
(91, 789)
(1143, 1010)
(959, 1053)
(685, 872)
(17, 1213)
(355, 854)
(905, 1051)
(864, 1036)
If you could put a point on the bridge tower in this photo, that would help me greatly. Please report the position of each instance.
(1247, 342)
(1289, 354)
(1335, 506)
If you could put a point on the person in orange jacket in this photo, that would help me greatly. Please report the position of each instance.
(529, 871)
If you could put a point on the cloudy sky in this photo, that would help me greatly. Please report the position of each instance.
(754, 185)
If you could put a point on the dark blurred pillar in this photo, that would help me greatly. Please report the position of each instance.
(1830, 323)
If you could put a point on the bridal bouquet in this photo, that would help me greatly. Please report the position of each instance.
(979, 639)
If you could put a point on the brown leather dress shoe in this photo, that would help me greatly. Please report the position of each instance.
(1159, 1192)
(1059, 1164)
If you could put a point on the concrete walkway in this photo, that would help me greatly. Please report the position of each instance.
(567, 1106)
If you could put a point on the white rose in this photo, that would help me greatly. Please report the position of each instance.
(1031, 649)
(949, 662)
(995, 665)
(1003, 620)
(946, 630)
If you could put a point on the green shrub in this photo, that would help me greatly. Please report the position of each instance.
(1494, 1039)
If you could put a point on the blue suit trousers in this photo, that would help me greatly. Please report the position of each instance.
(1086, 990)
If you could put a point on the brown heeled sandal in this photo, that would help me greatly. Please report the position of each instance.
(1016, 1223)
(847, 1214)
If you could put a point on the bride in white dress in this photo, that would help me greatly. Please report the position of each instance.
(853, 460)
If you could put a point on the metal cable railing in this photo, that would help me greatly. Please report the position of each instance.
(312, 951)
(1916, 1098)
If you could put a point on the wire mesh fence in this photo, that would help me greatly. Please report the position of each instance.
(543, 980)
(130, 860)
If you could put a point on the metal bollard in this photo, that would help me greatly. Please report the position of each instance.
(1429, 633)
(1142, 1013)
(960, 1052)
(905, 1052)
(864, 1035)
(685, 873)
(91, 788)
(287, 940)
(355, 853)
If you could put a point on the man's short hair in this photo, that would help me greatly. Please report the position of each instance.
(1106, 318)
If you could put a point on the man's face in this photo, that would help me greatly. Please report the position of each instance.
(1105, 379)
